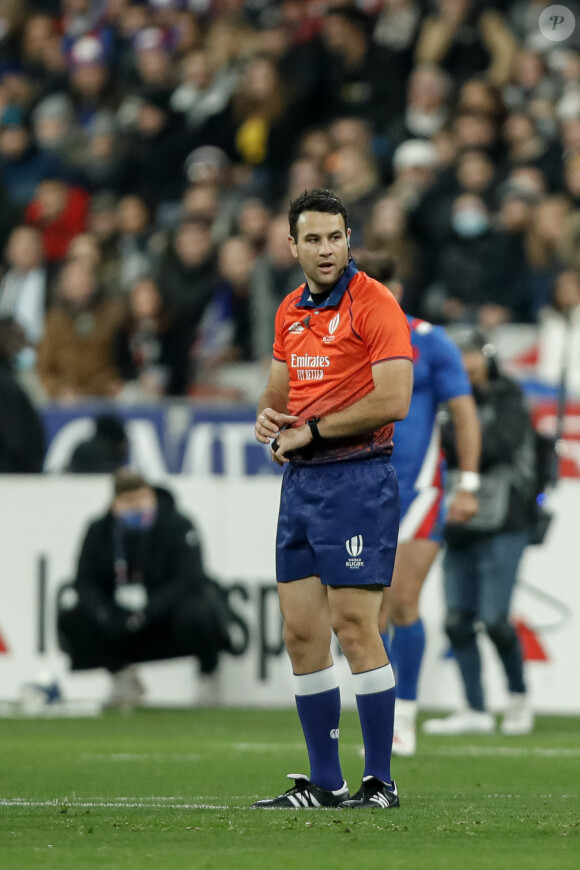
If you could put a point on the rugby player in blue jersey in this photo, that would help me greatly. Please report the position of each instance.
(439, 377)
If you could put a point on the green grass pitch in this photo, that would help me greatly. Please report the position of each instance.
(171, 789)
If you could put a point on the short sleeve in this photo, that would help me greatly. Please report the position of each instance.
(383, 326)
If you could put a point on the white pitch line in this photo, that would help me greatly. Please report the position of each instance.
(189, 756)
(446, 751)
(265, 747)
(140, 756)
(114, 804)
(163, 803)
(442, 750)
(513, 751)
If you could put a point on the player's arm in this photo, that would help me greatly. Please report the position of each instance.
(451, 385)
(467, 430)
(387, 402)
(272, 413)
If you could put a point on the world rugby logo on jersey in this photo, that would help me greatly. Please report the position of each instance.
(354, 548)
(332, 327)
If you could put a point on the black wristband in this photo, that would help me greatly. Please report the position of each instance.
(312, 423)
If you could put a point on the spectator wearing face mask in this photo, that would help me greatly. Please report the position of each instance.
(467, 270)
(142, 593)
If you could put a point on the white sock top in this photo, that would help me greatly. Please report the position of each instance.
(319, 681)
(377, 680)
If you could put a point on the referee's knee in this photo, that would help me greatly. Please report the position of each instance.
(307, 653)
(300, 637)
(351, 637)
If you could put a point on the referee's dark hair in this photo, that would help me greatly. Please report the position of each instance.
(317, 199)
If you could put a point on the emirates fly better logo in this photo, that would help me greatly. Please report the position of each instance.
(354, 548)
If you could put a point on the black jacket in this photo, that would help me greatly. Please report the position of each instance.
(187, 290)
(154, 167)
(506, 438)
(167, 560)
(22, 441)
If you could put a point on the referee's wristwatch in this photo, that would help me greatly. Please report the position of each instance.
(312, 423)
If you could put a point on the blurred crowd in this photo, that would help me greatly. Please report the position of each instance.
(149, 150)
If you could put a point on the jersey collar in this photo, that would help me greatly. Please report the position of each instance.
(336, 294)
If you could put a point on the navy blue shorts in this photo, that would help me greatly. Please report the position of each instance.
(340, 522)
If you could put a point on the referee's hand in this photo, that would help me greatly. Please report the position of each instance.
(289, 440)
(269, 423)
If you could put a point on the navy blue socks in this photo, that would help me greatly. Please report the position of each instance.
(375, 699)
(318, 705)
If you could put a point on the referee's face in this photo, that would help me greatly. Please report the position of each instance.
(321, 248)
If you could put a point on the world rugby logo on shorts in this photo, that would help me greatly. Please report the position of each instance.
(354, 548)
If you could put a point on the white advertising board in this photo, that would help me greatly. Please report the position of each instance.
(42, 521)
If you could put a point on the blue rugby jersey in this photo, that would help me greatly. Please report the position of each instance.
(439, 375)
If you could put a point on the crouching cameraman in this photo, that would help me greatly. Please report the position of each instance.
(142, 592)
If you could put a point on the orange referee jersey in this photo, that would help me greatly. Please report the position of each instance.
(330, 349)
